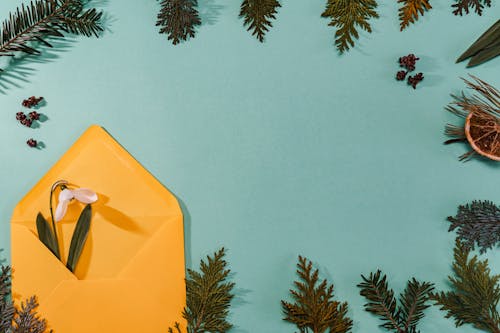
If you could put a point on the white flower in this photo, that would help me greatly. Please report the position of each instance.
(84, 195)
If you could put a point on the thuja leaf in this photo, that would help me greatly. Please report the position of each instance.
(178, 19)
(475, 292)
(46, 235)
(463, 6)
(79, 237)
(26, 319)
(257, 16)
(314, 307)
(208, 297)
(410, 10)
(477, 223)
(346, 16)
(7, 309)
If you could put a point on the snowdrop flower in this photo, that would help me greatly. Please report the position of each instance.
(84, 195)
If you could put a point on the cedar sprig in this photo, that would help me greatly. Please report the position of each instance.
(40, 20)
(178, 19)
(400, 318)
(314, 309)
(346, 16)
(410, 10)
(208, 297)
(477, 223)
(258, 16)
(23, 319)
(475, 292)
(464, 6)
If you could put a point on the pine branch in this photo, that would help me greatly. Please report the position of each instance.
(462, 6)
(410, 10)
(346, 15)
(178, 19)
(42, 19)
(477, 223)
(257, 16)
(381, 300)
(208, 297)
(314, 308)
(413, 302)
(475, 293)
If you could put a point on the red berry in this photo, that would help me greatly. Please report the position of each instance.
(32, 143)
(31, 101)
(20, 116)
(34, 115)
(26, 122)
(400, 76)
(414, 80)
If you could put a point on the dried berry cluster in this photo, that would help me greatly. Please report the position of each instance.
(409, 64)
(28, 119)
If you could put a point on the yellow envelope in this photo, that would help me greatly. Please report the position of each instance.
(130, 276)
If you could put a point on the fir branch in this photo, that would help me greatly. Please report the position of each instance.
(381, 300)
(43, 19)
(477, 223)
(258, 14)
(208, 297)
(475, 293)
(410, 10)
(462, 6)
(178, 19)
(413, 302)
(315, 309)
(402, 318)
(346, 15)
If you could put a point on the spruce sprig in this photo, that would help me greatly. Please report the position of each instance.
(400, 318)
(36, 22)
(208, 297)
(346, 16)
(314, 309)
(258, 16)
(477, 223)
(475, 292)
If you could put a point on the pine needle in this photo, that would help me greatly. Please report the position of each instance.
(314, 309)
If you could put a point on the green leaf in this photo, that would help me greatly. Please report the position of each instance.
(79, 237)
(46, 235)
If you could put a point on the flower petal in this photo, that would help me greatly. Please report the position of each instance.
(66, 195)
(85, 195)
(61, 209)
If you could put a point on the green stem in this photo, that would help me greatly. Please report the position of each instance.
(53, 223)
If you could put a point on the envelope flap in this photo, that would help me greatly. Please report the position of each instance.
(37, 271)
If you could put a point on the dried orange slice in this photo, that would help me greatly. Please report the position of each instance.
(483, 133)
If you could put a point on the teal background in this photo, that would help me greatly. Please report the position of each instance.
(274, 149)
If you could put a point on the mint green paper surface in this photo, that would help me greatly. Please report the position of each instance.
(273, 149)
